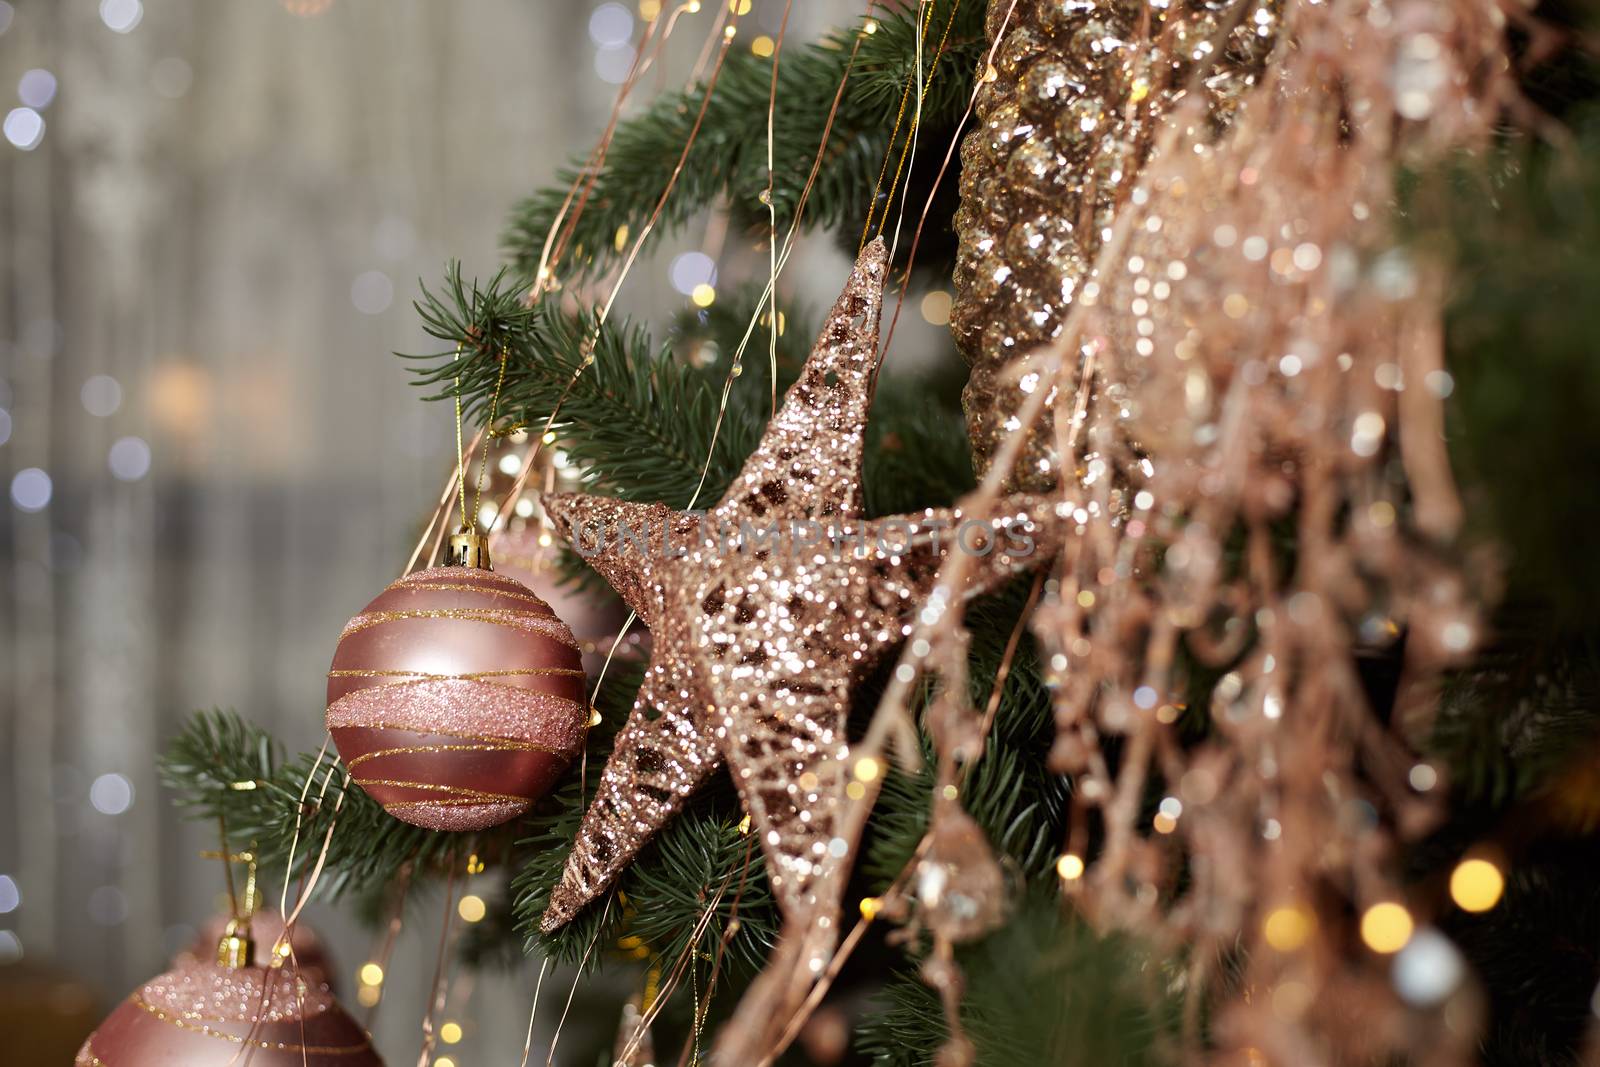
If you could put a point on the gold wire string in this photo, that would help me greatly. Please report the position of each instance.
(461, 461)
(684, 958)
(489, 434)
(736, 364)
(877, 186)
(913, 136)
(527, 1042)
(553, 247)
(576, 978)
(927, 206)
(772, 214)
(436, 990)
(397, 909)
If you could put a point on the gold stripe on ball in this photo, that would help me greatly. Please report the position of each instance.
(466, 676)
(384, 725)
(271, 1046)
(457, 794)
(487, 744)
(428, 587)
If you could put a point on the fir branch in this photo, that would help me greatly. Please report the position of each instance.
(729, 155)
(637, 422)
(221, 766)
(1043, 989)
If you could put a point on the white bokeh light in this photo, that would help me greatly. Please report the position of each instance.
(372, 292)
(5, 426)
(10, 947)
(129, 459)
(121, 15)
(24, 128)
(111, 794)
(101, 395)
(611, 25)
(613, 62)
(10, 895)
(36, 88)
(7, 12)
(30, 489)
(691, 269)
(1428, 969)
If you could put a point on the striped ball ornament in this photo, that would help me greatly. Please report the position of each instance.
(456, 698)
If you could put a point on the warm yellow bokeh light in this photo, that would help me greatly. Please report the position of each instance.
(371, 974)
(936, 307)
(1476, 885)
(1070, 867)
(867, 769)
(368, 995)
(471, 908)
(450, 1033)
(870, 906)
(762, 46)
(444, 1061)
(703, 295)
(1386, 927)
(1287, 928)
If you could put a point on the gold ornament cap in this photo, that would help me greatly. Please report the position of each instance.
(237, 948)
(467, 548)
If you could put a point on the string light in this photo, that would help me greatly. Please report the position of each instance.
(471, 908)
(762, 46)
(1386, 927)
(1069, 867)
(867, 769)
(1287, 928)
(370, 974)
(870, 906)
(703, 295)
(450, 1033)
(1476, 885)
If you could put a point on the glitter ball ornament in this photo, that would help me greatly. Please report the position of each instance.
(456, 698)
(203, 1014)
(1066, 117)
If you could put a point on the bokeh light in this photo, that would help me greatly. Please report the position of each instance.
(31, 489)
(101, 395)
(1386, 927)
(36, 88)
(129, 459)
(1476, 885)
(111, 794)
(24, 128)
(121, 16)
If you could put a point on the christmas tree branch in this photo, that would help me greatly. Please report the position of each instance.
(729, 155)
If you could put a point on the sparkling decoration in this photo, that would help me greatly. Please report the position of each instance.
(201, 1014)
(1067, 114)
(310, 954)
(763, 612)
(1252, 366)
(456, 698)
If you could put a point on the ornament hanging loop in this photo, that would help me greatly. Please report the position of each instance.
(467, 548)
(237, 948)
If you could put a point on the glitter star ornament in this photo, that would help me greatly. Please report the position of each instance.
(763, 612)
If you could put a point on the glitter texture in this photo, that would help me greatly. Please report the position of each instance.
(456, 698)
(200, 1014)
(756, 644)
(1068, 117)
